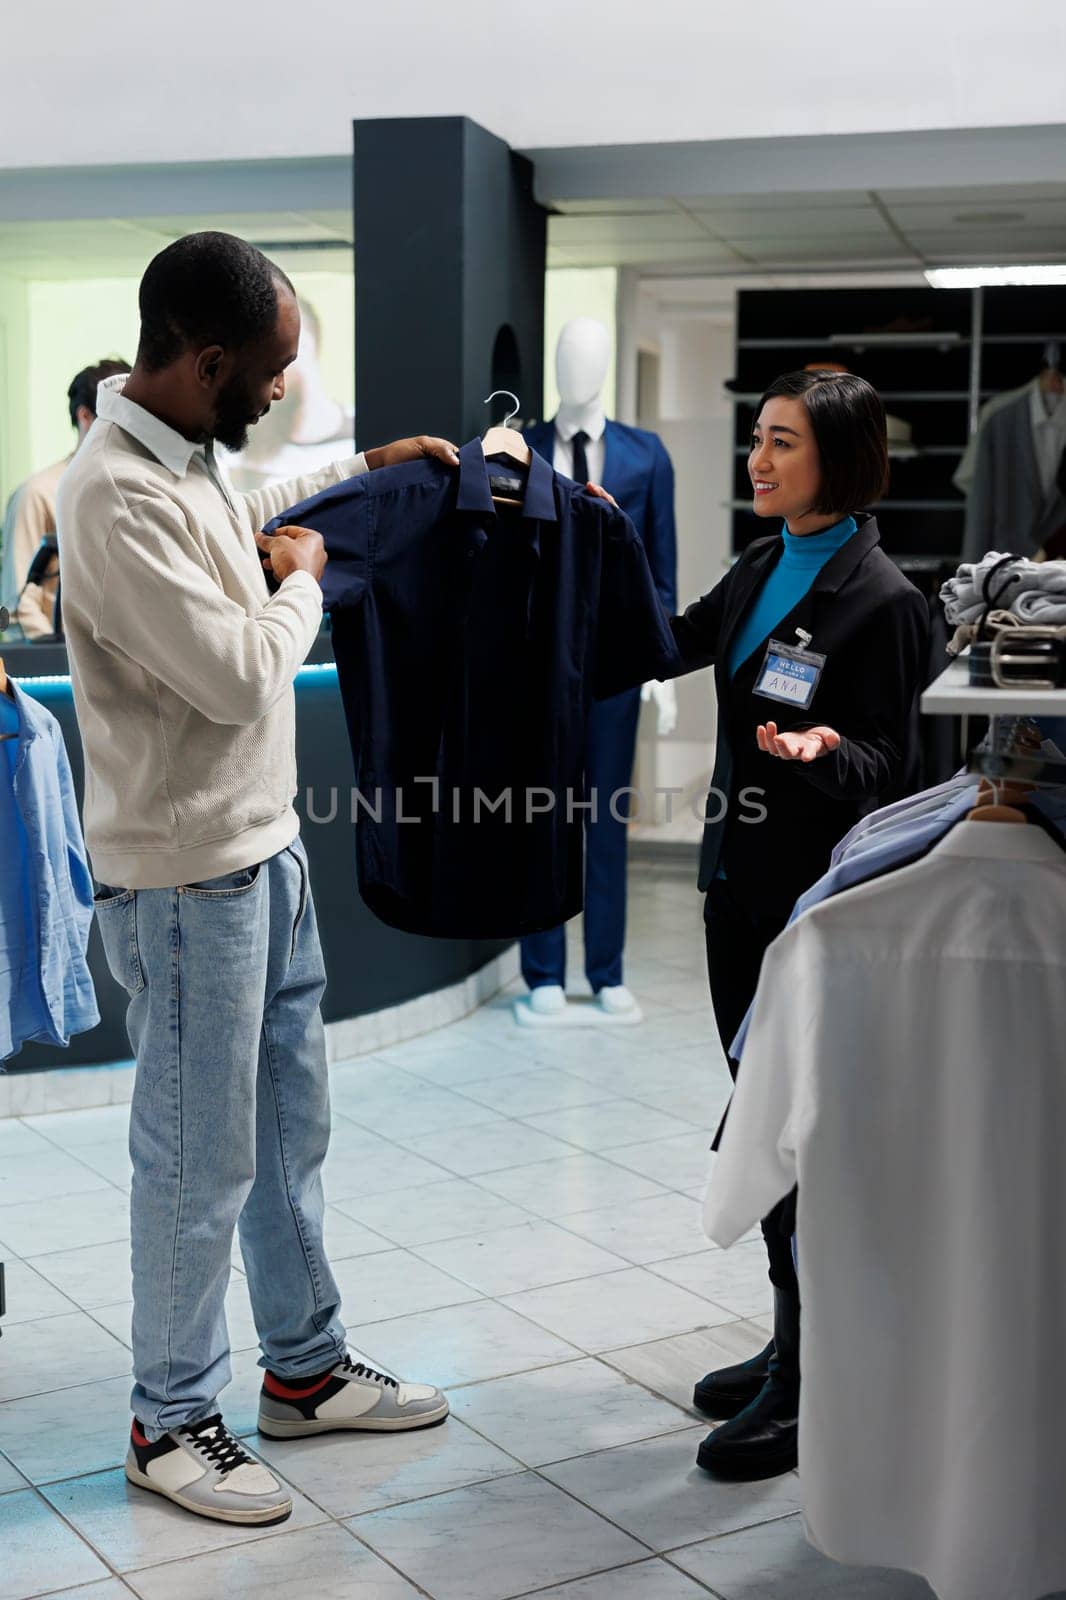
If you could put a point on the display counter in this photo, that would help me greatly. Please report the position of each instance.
(369, 967)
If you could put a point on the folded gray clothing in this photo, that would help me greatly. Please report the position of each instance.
(1042, 607)
(1035, 591)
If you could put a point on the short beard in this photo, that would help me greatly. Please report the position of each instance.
(234, 415)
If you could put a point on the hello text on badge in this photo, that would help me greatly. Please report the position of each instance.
(789, 674)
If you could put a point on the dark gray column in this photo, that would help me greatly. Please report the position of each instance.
(449, 278)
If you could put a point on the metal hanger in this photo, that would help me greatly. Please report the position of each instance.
(1014, 766)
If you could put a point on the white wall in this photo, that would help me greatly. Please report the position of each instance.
(126, 82)
(696, 356)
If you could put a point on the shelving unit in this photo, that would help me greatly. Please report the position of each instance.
(952, 694)
(934, 355)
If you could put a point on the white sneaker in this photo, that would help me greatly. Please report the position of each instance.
(204, 1469)
(350, 1395)
(619, 1004)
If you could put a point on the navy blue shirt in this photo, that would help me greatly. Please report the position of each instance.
(470, 640)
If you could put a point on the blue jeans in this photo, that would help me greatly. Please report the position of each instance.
(229, 1126)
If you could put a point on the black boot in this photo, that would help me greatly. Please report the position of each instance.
(761, 1441)
(726, 1392)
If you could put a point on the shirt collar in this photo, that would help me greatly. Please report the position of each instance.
(170, 448)
(999, 841)
(1039, 414)
(475, 495)
(594, 430)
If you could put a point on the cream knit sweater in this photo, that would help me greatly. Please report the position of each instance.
(182, 663)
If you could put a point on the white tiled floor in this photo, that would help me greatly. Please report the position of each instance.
(512, 1214)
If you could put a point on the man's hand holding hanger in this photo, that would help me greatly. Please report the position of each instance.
(292, 549)
(422, 445)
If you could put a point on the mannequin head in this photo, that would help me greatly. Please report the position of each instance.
(582, 357)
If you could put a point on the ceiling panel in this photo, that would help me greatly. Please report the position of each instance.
(336, 222)
(973, 195)
(707, 252)
(846, 247)
(814, 223)
(249, 225)
(990, 246)
(624, 229)
(1027, 213)
(830, 199)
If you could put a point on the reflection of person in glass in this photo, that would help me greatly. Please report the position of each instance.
(30, 517)
(304, 431)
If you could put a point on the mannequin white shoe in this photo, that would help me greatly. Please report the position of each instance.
(548, 999)
(548, 1007)
(619, 1004)
(545, 1007)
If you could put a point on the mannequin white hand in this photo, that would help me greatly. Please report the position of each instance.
(807, 745)
(665, 697)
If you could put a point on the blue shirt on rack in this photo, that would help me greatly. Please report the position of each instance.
(46, 893)
(802, 560)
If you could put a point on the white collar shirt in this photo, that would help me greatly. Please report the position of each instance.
(904, 1066)
(170, 448)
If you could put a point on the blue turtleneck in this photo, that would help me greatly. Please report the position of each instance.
(802, 560)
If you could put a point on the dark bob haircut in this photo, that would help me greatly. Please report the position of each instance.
(848, 422)
(83, 387)
(208, 288)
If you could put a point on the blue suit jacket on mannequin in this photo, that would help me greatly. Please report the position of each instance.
(640, 475)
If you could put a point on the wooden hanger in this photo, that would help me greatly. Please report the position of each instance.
(3, 678)
(996, 802)
(505, 441)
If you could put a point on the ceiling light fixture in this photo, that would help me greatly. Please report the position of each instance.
(993, 277)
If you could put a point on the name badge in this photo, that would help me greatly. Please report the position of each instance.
(789, 674)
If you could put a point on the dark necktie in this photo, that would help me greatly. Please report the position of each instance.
(581, 460)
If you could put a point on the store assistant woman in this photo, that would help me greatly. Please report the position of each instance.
(810, 737)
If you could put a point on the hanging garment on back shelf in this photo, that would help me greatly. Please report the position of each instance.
(1014, 501)
(904, 1066)
(470, 640)
(46, 893)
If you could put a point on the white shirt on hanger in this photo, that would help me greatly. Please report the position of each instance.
(1048, 415)
(904, 1065)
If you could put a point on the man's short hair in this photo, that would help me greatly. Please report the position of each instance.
(207, 288)
(848, 423)
(82, 391)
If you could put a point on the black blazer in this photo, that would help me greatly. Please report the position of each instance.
(872, 625)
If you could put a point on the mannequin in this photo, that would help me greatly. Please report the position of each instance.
(633, 466)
